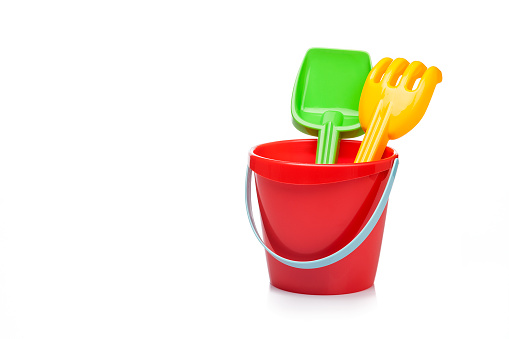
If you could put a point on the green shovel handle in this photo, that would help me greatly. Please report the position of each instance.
(328, 141)
(328, 137)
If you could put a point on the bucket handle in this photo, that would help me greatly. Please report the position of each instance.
(342, 253)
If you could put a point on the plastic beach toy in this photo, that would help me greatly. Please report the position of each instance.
(389, 108)
(326, 95)
(321, 226)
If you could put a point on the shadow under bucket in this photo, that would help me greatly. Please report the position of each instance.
(322, 224)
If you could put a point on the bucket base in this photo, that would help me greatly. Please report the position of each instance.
(352, 274)
(287, 290)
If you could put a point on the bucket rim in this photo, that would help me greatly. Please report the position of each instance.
(310, 173)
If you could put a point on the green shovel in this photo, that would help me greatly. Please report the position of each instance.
(326, 96)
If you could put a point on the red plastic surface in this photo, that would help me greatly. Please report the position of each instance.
(313, 220)
(293, 161)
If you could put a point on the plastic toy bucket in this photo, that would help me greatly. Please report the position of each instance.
(322, 224)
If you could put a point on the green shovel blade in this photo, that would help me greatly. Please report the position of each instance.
(326, 96)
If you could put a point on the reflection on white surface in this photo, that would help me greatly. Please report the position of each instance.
(346, 304)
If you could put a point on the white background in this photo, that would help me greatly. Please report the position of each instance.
(124, 133)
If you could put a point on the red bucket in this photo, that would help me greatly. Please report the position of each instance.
(322, 224)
